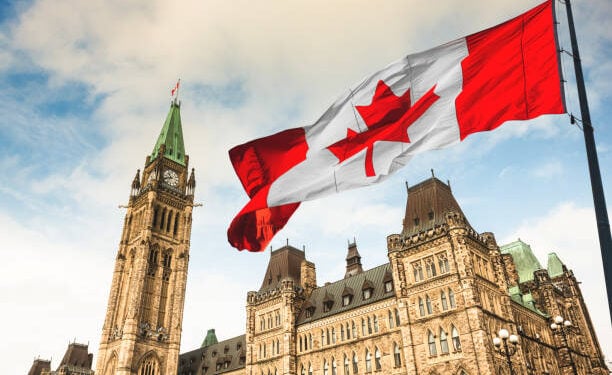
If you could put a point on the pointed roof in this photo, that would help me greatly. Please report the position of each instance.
(554, 266)
(77, 355)
(284, 262)
(171, 136)
(353, 261)
(525, 262)
(211, 338)
(427, 204)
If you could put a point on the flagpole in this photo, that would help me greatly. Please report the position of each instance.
(601, 213)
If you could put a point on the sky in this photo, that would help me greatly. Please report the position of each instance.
(86, 88)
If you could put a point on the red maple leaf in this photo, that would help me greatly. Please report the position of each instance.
(388, 118)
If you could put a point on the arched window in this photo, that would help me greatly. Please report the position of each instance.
(309, 368)
(177, 217)
(397, 358)
(322, 338)
(277, 347)
(443, 342)
(397, 318)
(355, 363)
(455, 338)
(302, 370)
(170, 214)
(375, 320)
(327, 336)
(390, 315)
(421, 307)
(353, 329)
(341, 332)
(363, 327)
(163, 218)
(444, 302)
(431, 341)
(325, 367)
(301, 343)
(428, 304)
(347, 364)
(310, 341)
(369, 326)
(451, 298)
(368, 360)
(149, 366)
(334, 367)
(333, 335)
(377, 363)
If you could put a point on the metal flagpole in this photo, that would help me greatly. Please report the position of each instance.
(601, 213)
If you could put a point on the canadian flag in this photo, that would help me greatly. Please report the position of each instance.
(423, 101)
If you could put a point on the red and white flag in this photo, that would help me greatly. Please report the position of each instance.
(423, 101)
(175, 88)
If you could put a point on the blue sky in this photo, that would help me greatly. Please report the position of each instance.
(85, 90)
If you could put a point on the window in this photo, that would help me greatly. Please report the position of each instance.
(347, 299)
(397, 358)
(431, 340)
(149, 366)
(334, 368)
(341, 333)
(355, 364)
(333, 335)
(302, 370)
(354, 329)
(443, 263)
(325, 368)
(456, 339)
(397, 318)
(367, 293)
(327, 306)
(451, 298)
(375, 324)
(418, 271)
(363, 327)
(444, 302)
(377, 363)
(309, 368)
(428, 304)
(443, 342)
(369, 326)
(388, 286)
(421, 307)
(390, 319)
(310, 341)
(347, 369)
(322, 337)
(368, 360)
(310, 311)
(430, 267)
(328, 336)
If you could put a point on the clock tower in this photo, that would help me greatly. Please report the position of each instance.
(142, 328)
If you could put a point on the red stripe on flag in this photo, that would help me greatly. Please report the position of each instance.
(511, 73)
(258, 163)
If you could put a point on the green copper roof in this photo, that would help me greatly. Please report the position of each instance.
(526, 263)
(171, 136)
(210, 339)
(554, 266)
(525, 300)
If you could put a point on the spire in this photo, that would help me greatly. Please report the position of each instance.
(353, 260)
(211, 338)
(170, 140)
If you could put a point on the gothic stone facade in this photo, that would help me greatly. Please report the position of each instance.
(142, 329)
(434, 308)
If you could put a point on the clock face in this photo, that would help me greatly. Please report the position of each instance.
(170, 177)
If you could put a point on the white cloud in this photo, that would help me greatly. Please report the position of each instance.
(548, 170)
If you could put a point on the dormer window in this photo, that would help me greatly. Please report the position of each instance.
(416, 221)
(347, 296)
(388, 286)
(327, 305)
(367, 290)
(430, 215)
(367, 293)
(310, 311)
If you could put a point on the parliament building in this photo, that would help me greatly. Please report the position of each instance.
(449, 300)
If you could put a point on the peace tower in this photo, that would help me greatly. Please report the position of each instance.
(142, 328)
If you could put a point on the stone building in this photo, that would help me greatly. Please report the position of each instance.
(76, 361)
(142, 328)
(433, 308)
